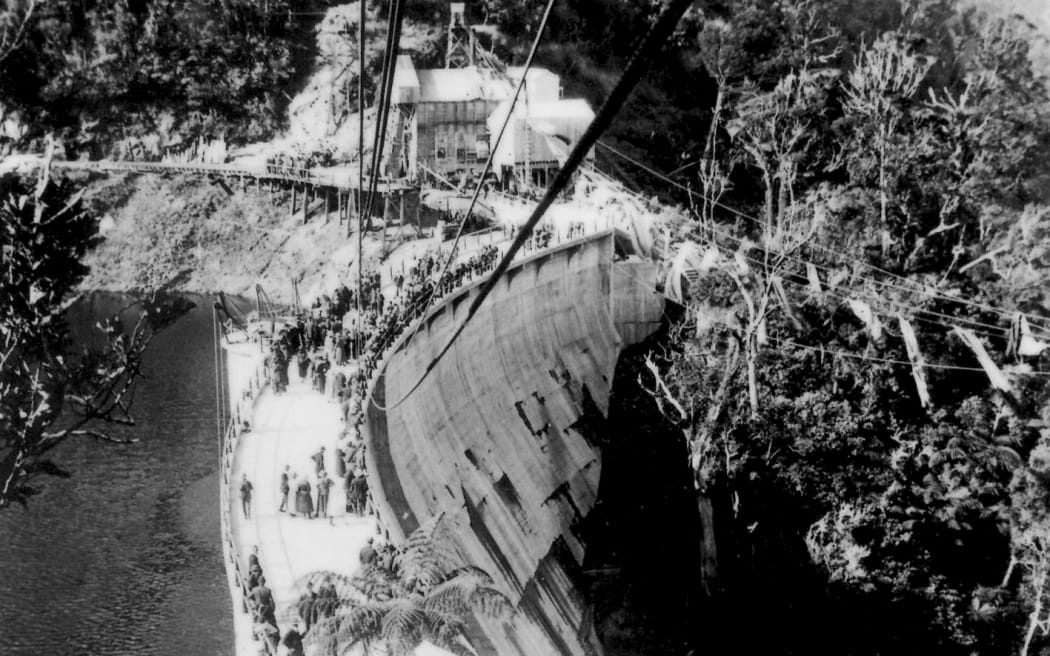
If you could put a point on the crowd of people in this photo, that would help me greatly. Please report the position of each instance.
(425, 283)
(260, 603)
(317, 347)
(298, 166)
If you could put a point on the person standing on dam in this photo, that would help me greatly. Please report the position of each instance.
(318, 459)
(304, 503)
(359, 492)
(285, 488)
(265, 607)
(303, 362)
(323, 485)
(246, 496)
(368, 553)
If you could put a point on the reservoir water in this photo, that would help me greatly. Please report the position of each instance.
(125, 556)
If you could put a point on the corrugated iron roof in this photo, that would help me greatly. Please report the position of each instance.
(471, 83)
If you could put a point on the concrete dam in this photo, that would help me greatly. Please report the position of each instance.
(503, 438)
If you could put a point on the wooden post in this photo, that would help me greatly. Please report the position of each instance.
(339, 206)
(294, 192)
(327, 203)
(306, 202)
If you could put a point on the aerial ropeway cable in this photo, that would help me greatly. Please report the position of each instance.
(1034, 321)
(654, 40)
(394, 24)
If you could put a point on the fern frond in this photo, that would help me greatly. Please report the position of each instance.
(402, 625)
(446, 631)
(361, 623)
(1008, 457)
(427, 555)
(332, 592)
(491, 602)
(454, 595)
(484, 576)
(321, 578)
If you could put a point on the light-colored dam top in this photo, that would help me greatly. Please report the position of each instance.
(287, 429)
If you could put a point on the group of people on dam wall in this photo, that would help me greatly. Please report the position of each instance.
(261, 603)
(336, 346)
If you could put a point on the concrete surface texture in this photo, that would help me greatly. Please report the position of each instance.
(503, 437)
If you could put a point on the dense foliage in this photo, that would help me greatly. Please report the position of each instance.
(891, 175)
(98, 71)
(52, 390)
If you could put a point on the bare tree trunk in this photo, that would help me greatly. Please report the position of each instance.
(1033, 621)
(708, 544)
(752, 376)
(883, 200)
(767, 178)
(785, 179)
(709, 168)
(1009, 571)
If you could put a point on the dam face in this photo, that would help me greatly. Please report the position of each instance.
(503, 437)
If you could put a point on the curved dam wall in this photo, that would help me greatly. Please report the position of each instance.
(503, 438)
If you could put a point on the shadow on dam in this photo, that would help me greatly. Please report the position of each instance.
(643, 535)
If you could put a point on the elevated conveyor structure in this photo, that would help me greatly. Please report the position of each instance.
(504, 437)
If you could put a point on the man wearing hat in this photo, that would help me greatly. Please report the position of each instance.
(318, 459)
(323, 483)
(246, 496)
(368, 554)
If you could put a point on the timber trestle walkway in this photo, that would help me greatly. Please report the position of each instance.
(337, 186)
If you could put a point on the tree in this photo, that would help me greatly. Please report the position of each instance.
(422, 594)
(877, 92)
(777, 131)
(13, 23)
(49, 390)
(1030, 539)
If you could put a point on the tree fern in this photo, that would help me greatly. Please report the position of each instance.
(425, 594)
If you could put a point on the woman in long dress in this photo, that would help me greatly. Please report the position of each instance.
(304, 503)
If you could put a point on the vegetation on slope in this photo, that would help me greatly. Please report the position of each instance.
(891, 176)
(98, 71)
(213, 239)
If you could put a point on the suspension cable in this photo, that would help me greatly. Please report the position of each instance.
(393, 41)
(360, 152)
(1034, 321)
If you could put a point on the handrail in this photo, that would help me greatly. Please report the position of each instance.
(231, 436)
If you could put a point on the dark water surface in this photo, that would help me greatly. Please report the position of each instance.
(125, 556)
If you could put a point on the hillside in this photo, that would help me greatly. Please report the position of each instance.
(156, 229)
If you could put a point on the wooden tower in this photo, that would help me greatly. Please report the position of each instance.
(460, 53)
